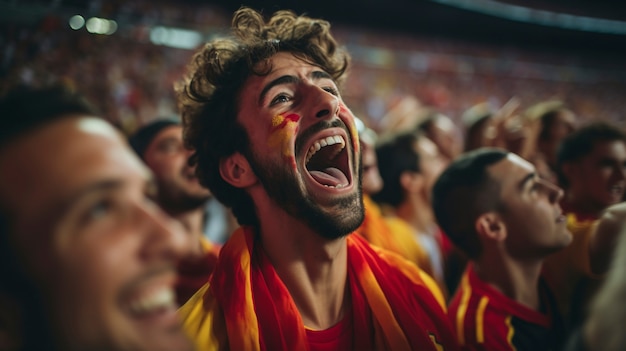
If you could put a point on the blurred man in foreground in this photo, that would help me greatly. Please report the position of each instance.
(87, 258)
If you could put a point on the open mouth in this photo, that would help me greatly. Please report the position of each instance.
(328, 163)
(153, 302)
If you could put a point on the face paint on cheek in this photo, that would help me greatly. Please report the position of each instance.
(282, 131)
(354, 134)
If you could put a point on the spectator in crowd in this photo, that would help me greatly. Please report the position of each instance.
(440, 129)
(388, 232)
(275, 142)
(555, 123)
(160, 145)
(475, 121)
(603, 328)
(87, 260)
(409, 164)
(591, 164)
(496, 208)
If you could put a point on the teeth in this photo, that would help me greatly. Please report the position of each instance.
(162, 298)
(338, 186)
(328, 141)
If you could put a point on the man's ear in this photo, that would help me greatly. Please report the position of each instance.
(235, 170)
(491, 226)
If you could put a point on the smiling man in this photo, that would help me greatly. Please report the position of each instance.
(591, 165)
(275, 141)
(87, 259)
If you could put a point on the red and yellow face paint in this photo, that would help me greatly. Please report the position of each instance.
(282, 131)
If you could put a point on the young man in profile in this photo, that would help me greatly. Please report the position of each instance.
(507, 220)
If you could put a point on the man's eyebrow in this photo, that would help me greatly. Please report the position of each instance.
(92, 188)
(278, 81)
(288, 79)
(101, 186)
(530, 176)
(320, 75)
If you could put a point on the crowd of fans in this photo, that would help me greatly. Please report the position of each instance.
(447, 197)
(130, 78)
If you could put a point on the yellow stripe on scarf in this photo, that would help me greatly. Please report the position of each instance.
(243, 331)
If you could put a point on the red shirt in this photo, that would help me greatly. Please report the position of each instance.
(485, 319)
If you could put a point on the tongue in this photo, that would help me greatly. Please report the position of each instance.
(330, 176)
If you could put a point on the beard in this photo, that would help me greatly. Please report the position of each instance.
(283, 187)
(176, 201)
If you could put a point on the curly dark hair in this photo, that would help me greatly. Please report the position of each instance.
(209, 94)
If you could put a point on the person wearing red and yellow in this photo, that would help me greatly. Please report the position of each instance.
(387, 232)
(591, 165)
(275, 141)
(507, 220)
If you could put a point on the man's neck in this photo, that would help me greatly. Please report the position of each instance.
(417, 213)
(517, 280)
(193, 222)
(313, 269)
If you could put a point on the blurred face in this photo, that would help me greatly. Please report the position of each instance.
(99, 249)
(446, 137)
(530, 210)
(599, 177)
(432, 163)
(564, 124)
(372, 182)
(179, 189)
(304, 144)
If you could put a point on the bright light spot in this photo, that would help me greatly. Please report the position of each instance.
(112, 27)
(175, 37)
(97, 25)
(77, 22)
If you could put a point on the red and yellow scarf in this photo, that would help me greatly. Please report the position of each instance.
(245, 306)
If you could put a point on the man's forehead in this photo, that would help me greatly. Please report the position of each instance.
(49, 162)
(510, 169)
(287, 63)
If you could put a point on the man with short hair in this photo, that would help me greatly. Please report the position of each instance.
(275, 141)
(591, 165)
(409, 164)
(160, 145)
(495, 208)
(87, 259)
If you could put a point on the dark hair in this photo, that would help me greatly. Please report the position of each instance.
(24, 109)
(209, 95)
(429, 117)
(462, 193)
(581, 143)
(142, 137)
(396, 155)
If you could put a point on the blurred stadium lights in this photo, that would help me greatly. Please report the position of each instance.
(97, 25)
(175, 37)
(542, 17)
(77, 22)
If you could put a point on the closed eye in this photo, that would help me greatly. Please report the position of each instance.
(332, 90)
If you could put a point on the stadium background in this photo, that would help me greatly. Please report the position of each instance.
(449, 54)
